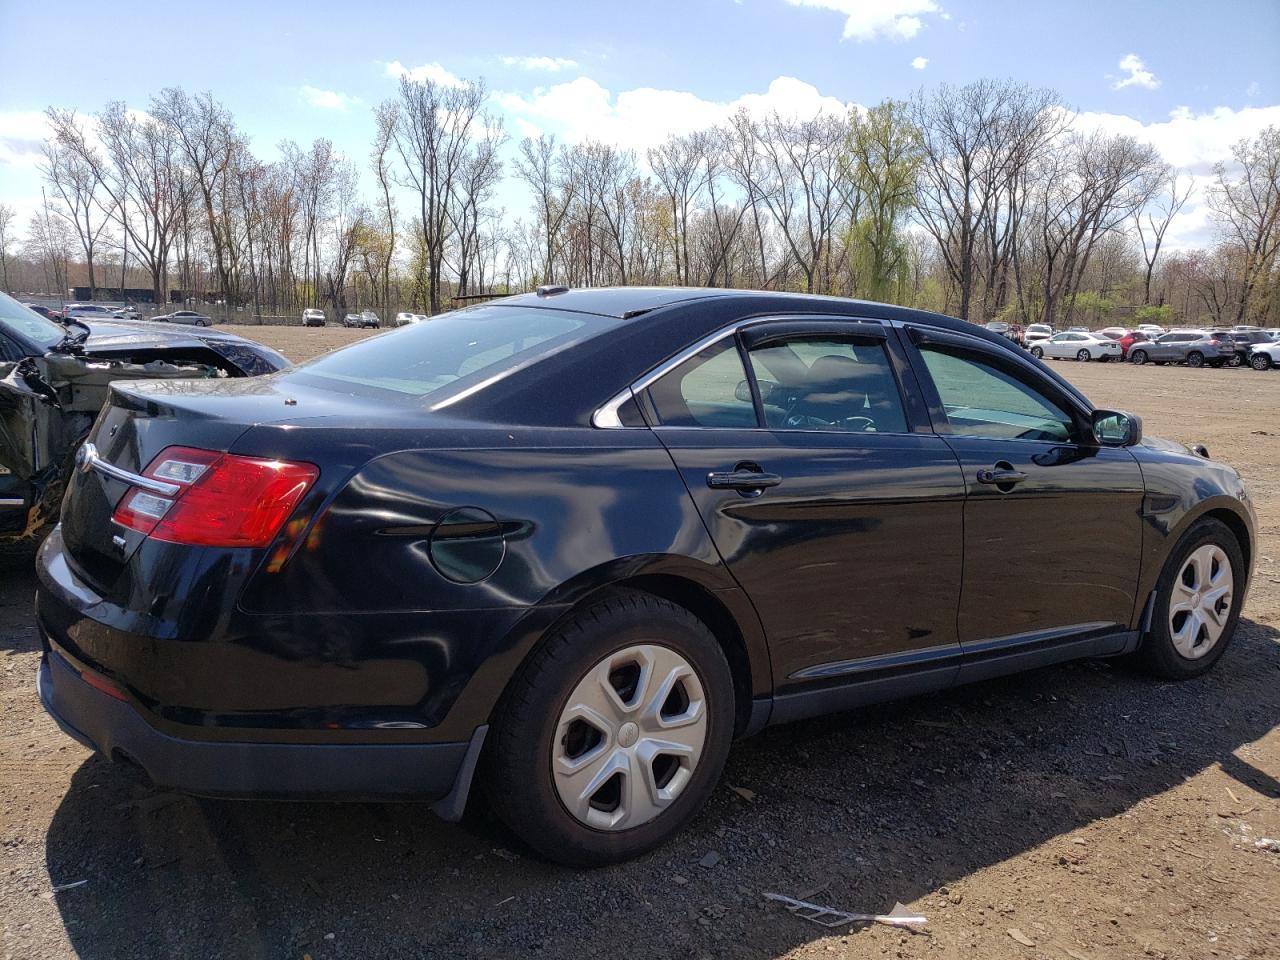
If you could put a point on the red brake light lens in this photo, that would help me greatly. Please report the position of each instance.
(223, 500)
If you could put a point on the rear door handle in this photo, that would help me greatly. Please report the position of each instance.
(1001, 477)
(742, 480)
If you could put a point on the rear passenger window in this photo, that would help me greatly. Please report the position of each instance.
(816, 383)
(707, 390)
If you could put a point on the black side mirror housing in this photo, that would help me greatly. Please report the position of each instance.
(1114, 428)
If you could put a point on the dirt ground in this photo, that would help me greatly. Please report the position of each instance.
(1081, 811)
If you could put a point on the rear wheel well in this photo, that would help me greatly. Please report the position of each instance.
(703, 604)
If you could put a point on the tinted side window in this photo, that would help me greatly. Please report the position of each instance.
(707, 390)
(815, 383)
(983, 398)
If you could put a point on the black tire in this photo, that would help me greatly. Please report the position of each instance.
(1260, 361)
(1236, 360)
(1083, 356)
(517, 772)
(1195, 359)
(1157, 655)
(1037, 352)
(1138, 357)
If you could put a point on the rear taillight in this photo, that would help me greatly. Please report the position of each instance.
(222, 500)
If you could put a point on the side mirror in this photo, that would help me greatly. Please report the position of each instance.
(1111, 428)
(743, 390)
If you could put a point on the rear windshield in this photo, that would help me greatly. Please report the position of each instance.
(473, 345)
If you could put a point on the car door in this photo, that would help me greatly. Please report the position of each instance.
(1170, 346)
(1052, 520)
(807, 451)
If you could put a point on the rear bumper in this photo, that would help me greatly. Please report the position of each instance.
(439, 772)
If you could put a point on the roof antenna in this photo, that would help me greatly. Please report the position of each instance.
(551, 289)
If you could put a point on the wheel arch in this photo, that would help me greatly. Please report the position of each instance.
(712, 597)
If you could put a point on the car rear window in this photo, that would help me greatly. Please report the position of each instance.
(475, 345)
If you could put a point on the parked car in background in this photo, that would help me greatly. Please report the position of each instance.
(1152, 330)
(714, 506)
(1077, 346)
(1010, 331)
(312, 317)
(185, 316)
(47, 312)
(404, 319)
(1244, 341)
(1195, 348)
(54, 379)
(351, 320)
(1126, 338)
(1035, 333)
(90, 311)
(370, 319)
(1264, 356)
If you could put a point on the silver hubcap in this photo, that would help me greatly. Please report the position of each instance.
(1201, 601)
(629, 737)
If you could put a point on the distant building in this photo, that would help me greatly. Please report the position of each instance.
(136, 294)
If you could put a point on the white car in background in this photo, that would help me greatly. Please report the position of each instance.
(1264, 356)
(1152, 330)
(1036, 333)
(403, 318)
(1074, 345)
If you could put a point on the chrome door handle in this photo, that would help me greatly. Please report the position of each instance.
(1001, 477)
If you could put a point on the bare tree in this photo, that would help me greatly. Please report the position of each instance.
(7, 216)
(80, 193)
(432, 135)
(543, 171)
(1246, 203)
(1152, 222)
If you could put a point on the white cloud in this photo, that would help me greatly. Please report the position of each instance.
(582, 108)
(919, 63)
(549, 64)
(426, 71)
(22, 136)
(1253, 90)
(1137, 74)
(870, 19)
(327, 99)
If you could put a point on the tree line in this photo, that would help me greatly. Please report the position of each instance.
(984, 201)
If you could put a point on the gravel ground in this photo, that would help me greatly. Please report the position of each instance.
(1081, 811)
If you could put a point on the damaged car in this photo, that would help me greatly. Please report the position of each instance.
(54, 379)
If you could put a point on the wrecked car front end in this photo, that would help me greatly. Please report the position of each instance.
(54, 381)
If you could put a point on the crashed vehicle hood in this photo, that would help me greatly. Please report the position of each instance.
(116, 339)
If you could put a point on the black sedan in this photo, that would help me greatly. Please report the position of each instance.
(566, 546)
(184, 316)
(54, 379)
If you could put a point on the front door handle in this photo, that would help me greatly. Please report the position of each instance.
(1001, 476)
(743, 480)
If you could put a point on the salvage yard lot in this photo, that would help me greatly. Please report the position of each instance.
(1083, 809)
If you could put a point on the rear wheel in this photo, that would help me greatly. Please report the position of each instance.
(1083, 356)
(1138, 357)
(1260, 361)
(1235, 360)
(1037, 353)
(1197, 603)
(614, 733)
(1195, 359)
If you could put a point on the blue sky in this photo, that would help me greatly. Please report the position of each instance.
(1197, 76)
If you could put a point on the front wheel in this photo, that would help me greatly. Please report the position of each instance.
(1138, 357)
(1083, 356)
(1037, 353)
(1195, 359)
(614, 733)
(1197, 603)
(1235, 360)
(1260, 361)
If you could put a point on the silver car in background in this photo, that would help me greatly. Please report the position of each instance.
(1078, 346)
(1195, 348)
